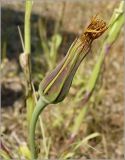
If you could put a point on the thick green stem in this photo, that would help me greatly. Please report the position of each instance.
(38, 109)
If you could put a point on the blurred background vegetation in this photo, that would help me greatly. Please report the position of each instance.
(54, 26)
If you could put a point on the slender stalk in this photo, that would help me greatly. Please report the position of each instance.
(78, 121)
(27, 31)
(21, 38)
(38, 109)
(27, 40)
(117, 21)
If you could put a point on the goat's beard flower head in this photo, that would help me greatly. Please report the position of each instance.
(56, 84)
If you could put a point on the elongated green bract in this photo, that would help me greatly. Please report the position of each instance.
(55, 85)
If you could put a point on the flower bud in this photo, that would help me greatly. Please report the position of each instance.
(56, 84)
